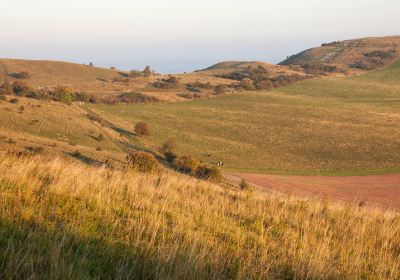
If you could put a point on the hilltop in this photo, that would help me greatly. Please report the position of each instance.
(361, 54)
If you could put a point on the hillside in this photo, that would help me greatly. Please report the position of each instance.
(102, 82)
(319, 126)
(229, 67)
(65, 220)
(363, 54)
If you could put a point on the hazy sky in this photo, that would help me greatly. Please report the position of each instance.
(183, 35)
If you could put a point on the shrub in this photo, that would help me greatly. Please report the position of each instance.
(170, 83)
(208, 173)
(186, 164)
(142, 162)
(169, 146)
(147, 72)
(141, 128)
(244, 185)
(219, 89)
(247, 84)
(136, 97)
(20, 75)
(6, 89)
(64, 94)
(14, 100)
(20, 88)
(3, 98)
(81, 96)
(135, 74)
(170, 157)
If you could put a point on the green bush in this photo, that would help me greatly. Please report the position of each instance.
(142, 162)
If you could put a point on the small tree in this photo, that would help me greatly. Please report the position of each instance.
(142, 162)
(141, 128)
(147, 72)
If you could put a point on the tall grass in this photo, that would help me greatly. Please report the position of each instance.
(65, 220)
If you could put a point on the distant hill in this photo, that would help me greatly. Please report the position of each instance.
(49, 73)
(228, 67)
(363, 54)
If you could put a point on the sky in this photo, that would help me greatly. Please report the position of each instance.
(176, 36)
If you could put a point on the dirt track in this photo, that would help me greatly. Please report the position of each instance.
(377, 190)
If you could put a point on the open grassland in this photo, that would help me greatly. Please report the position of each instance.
(65, 220)
(328, 126)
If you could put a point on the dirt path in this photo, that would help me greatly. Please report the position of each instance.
(377, 190)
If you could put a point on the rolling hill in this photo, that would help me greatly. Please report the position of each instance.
(328, 125)
(363, 54)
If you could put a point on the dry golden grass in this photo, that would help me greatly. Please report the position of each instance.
(65, 220)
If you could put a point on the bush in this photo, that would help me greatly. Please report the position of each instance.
(136, 97)
(147, 72)
(64, 94)
(186, 164)
(141, 128)
(170, 157)
(81, 96)
(20, 88)
(170, 83)
(219, 89)
(142, 162)
(205, 172)
(20, 75)
(169, 146)
(244, 185)
(247, 84)
(6, 89)
(135, 74)
(14, 100)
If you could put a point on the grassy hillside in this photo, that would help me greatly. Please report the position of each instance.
(65, 220)
(320, 126)
(350, 52)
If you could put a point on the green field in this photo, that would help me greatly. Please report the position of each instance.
(326, 126)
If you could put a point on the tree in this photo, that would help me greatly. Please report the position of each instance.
(147, 72)
(141, 128)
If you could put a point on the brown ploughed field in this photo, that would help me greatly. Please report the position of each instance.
(374, 190)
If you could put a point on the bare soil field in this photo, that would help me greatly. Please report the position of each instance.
(374, 190)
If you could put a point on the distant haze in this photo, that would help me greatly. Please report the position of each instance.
(184, 35)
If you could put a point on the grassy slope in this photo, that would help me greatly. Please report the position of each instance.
(56, 223)
(52, 73)
(346, 53)
(326, 126)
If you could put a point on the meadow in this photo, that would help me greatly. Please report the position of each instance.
(61, 219)
(327, 126)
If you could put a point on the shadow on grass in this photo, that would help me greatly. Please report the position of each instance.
(83, 158)
(31, 251)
